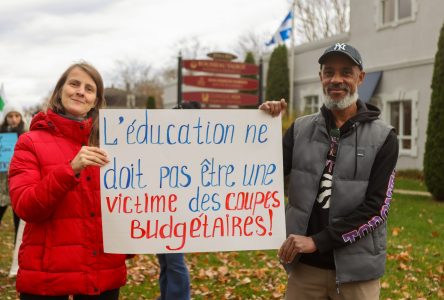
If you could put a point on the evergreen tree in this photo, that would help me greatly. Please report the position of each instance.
(278, 75)
(249, 59)
(151, 102)
(434, 149)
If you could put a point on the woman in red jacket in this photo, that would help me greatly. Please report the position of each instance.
(55, 188)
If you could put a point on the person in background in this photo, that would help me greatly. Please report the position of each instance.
(13, 123)
(55, 187)
(174, 278)
(341, 162)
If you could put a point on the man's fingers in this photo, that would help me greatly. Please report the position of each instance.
(283, 104)
(264, 106)
(283, 250)
(274, 108)
(287, 250)
(293, 254)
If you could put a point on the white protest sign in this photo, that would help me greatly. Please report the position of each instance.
(191, 181)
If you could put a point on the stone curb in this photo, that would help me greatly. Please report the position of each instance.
(409, 192)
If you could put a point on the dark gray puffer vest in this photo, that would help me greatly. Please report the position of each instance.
(364, 259)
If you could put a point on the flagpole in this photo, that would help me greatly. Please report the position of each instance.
(291, 96)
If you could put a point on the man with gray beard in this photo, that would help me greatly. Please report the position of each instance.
(341, 163)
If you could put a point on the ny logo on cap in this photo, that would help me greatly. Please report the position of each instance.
(340, 46)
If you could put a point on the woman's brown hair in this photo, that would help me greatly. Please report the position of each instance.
(55, 101)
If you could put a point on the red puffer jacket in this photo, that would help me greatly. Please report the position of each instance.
(62, 248)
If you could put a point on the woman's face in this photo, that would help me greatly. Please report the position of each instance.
(13, 119)
(79, 93)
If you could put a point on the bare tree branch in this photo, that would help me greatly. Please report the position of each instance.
(251, 42)
(318, 19)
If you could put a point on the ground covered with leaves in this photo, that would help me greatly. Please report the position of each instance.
(415, 262)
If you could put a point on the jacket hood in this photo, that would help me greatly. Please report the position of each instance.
(366, 113)
(59, 125)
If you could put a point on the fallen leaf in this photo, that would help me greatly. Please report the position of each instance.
(223, 270)
(396, 231)
(403, 266)
(204, 289)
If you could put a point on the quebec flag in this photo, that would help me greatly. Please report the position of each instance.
(284, 31)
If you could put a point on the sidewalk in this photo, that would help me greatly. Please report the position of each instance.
(409, 192)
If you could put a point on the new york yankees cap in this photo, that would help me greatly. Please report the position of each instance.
(344, 49)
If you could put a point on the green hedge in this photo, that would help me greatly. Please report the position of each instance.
(434, 149)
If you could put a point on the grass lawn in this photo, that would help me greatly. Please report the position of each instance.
(410, 184)
(414, 270)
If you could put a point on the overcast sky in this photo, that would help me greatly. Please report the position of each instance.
(39, 39)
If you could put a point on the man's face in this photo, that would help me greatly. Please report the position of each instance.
(340, 78)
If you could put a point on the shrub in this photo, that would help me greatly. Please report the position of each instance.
(277, 75)
(434, 148)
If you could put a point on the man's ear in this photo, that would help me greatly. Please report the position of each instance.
(361, 77)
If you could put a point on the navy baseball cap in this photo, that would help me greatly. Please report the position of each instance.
(345, 49)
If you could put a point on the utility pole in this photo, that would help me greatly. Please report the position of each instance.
(179, 79)
(291, 96)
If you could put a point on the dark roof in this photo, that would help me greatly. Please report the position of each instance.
(117, 98)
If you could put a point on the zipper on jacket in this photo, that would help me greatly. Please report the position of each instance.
(355, 128)
(337, 286)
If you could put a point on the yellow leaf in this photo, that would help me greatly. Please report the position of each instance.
(204, 289)
(223, 270)
(403, 266)
(395, 231)
(404, 256)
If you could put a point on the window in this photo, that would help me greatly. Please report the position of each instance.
(395, 12)
(404, 9)
(388, 11)
(311, 104)
(400, 109)
(401, 119)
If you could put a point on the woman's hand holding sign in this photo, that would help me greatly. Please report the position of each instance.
(89, 156)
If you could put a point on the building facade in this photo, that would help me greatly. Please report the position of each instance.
(397, 40)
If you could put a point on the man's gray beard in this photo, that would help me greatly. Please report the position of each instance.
(341, 104)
